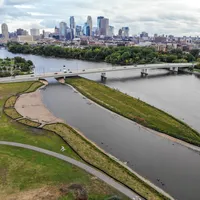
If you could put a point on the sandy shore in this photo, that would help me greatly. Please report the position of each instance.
(31, 106)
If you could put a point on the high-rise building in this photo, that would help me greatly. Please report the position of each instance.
(125, 31)
(21, 32)
(72, 27)
(104, 26)
(99, 24)
(72, 22)
(99, 21)
(56, 30)
(4, 29)
(63, 30)
(78, 30)
(35, 32)
(120, 32)
(86, 29)
(89, 22)
(111, 31)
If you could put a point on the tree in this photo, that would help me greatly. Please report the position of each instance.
(195, 52)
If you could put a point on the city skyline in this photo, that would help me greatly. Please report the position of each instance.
(170, 17)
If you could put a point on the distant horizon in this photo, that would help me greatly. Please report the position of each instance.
(173, 17)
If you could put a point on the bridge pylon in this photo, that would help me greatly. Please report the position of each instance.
(103, 76)
(144, 72)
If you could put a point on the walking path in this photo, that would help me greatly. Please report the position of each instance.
(129, 193)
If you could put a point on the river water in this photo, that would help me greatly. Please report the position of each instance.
(170, 166)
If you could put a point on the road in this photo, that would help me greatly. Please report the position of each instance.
(129, 193)
(173, 66)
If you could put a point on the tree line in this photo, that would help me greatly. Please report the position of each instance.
(115, 55)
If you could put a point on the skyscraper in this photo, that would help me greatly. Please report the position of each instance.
(104, 26)
(89, 22)
(111, 31)
(78, 30)
(72, 27)
(4, 29)
(35, 32)
(72, 22)
(125, 31)
(63, 30)
(99, 21)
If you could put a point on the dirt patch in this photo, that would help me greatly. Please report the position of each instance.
(45, 193)
(61, 80)
(49, 193)
(3, 175)
(30, 106)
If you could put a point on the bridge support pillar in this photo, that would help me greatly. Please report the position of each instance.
(174, 69)
(103, 76)
(144, 72)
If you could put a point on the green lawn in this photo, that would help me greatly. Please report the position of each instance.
(21, 170)
(16, 132)
(135, 110)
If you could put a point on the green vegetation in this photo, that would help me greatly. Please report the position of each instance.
(23, 170)
(33, 87)
(135, 110)
(11, 102)
(15, 66)
(11, 112)
(115, 55)
(29, 123)
(16, 132)
(97, 158)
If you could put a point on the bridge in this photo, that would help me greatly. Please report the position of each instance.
(144, 71)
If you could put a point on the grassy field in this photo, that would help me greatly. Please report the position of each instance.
(135, 110)
(94, 156)
(21, 170)
(197, 70)
(12, 113)
(29, 123)
(10, 102)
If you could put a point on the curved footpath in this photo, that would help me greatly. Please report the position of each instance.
(129, 193)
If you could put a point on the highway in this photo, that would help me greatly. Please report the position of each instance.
(68, 73)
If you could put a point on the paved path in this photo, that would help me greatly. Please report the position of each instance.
(81, 165)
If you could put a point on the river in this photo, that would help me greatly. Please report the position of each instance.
(151, 156)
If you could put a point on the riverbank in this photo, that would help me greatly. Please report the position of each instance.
(94, 156)
(31, 175)
(135, 110)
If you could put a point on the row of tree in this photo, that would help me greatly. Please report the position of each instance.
(114, 55)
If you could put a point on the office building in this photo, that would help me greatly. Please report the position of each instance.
(4, 29)
(78, 30)
(89, 22)
(72, 22)
(62, 30)
(99, 23)
(125, 31)
(104, 26)
(35, 32)
(111, 31)
(120, 32)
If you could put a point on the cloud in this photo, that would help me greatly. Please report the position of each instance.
(159, 16)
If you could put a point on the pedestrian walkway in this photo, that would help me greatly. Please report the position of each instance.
(129, 193)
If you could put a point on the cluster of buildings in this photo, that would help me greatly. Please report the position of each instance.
(103, 34)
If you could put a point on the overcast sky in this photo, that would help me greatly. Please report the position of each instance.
(177, 17)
